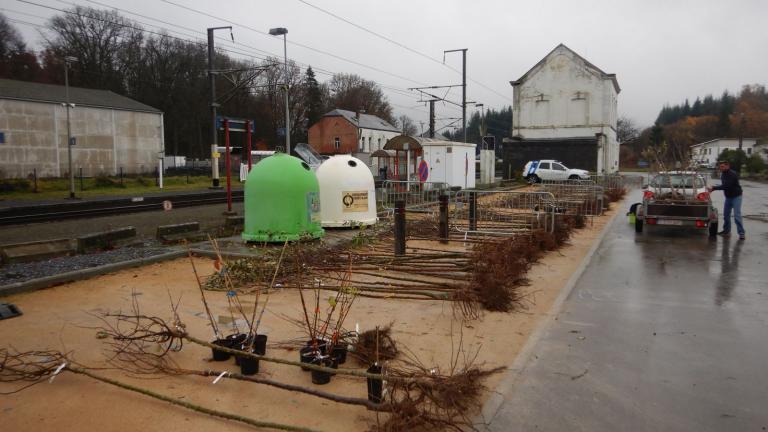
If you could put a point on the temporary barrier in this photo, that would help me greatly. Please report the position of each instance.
(502, 213)
(418, 196)
(582, 197)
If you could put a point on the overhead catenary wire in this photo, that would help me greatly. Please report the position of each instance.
(164, 33)
(238, 53)
(338, 57)
(401, 45)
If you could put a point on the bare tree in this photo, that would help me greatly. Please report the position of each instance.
(407, 126)
(626, 129)
(351, 92)
(106, 45)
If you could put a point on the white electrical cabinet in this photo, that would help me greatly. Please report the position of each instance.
(449, 162)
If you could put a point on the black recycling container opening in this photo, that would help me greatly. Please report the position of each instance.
(375, 386)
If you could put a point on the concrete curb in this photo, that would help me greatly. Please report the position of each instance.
(507, 384)
(48, 281)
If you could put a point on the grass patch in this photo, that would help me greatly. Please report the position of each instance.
(52, 188)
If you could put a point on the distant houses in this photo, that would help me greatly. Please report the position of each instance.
(706, 153)
(111, 132)
(564, 108)
(347, 132)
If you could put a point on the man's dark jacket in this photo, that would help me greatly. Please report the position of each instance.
(730, 184)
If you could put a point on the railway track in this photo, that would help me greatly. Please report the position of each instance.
(88, 209)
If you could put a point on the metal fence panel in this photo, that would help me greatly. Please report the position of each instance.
(502, 212)
(418, 196)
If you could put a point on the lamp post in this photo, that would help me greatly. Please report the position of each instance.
(482, 120)
(277, 32)
(67, 61)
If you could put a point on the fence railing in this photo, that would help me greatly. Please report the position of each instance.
(502, 212)
(418, 196)
(582, 197)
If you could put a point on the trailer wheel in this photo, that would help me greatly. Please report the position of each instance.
(713, 229)
(638, 225)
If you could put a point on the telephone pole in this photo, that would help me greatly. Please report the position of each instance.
(432, 118)
(463, 87)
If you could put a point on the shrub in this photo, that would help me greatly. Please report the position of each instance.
(14, 185)
(104, 181)
(755, 164)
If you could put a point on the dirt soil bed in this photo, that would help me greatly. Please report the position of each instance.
(63, 318)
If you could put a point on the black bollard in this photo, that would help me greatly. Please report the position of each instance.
(473, 211)
(34, 172)
(121, 176)
(443, 218)
(399, 228)
(82, 188)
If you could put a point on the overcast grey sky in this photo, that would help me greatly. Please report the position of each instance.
(662, 51)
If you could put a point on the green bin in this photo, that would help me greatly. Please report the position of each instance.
(282, 201)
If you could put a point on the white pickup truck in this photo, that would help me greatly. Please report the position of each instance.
(550, 169)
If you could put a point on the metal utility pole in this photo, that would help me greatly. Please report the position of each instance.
(276, 32)
(214, 106)
(67, 61)
(463, 87)
(432, 118)
(742, 122)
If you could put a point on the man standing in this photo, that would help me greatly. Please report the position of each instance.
(729, 180)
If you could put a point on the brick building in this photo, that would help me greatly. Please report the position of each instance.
(346, 132)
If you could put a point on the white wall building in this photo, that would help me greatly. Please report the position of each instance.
(706, 153)
(566, 96)
(112, 133)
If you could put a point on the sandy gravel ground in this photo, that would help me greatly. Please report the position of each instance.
(63, 318)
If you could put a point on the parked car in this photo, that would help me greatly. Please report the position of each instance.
(550, 169)
(677, 198)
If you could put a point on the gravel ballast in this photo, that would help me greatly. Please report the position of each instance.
(21, 272)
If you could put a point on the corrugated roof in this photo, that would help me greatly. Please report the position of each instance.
(367, 121)
(51, 93)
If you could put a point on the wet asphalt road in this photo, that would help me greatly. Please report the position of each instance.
(664, 331)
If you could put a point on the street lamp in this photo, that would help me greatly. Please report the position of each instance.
(70, 143)
(277, 32)
(482, 120)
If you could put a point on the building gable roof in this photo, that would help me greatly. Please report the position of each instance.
(367, 121)
(51, 93)
(541, 62)
(723, 139)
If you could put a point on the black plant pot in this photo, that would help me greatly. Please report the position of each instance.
(248, 365)
(322, 345)
(260, 345)
(306, 355)
(319, 377)
(219, 355)
(375, 386)
(235, 341)
(339, 352)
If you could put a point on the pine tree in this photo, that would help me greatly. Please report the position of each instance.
(314, 97)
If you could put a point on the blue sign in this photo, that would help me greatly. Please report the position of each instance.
(423, 171)
(2, 137)
(235, 125)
